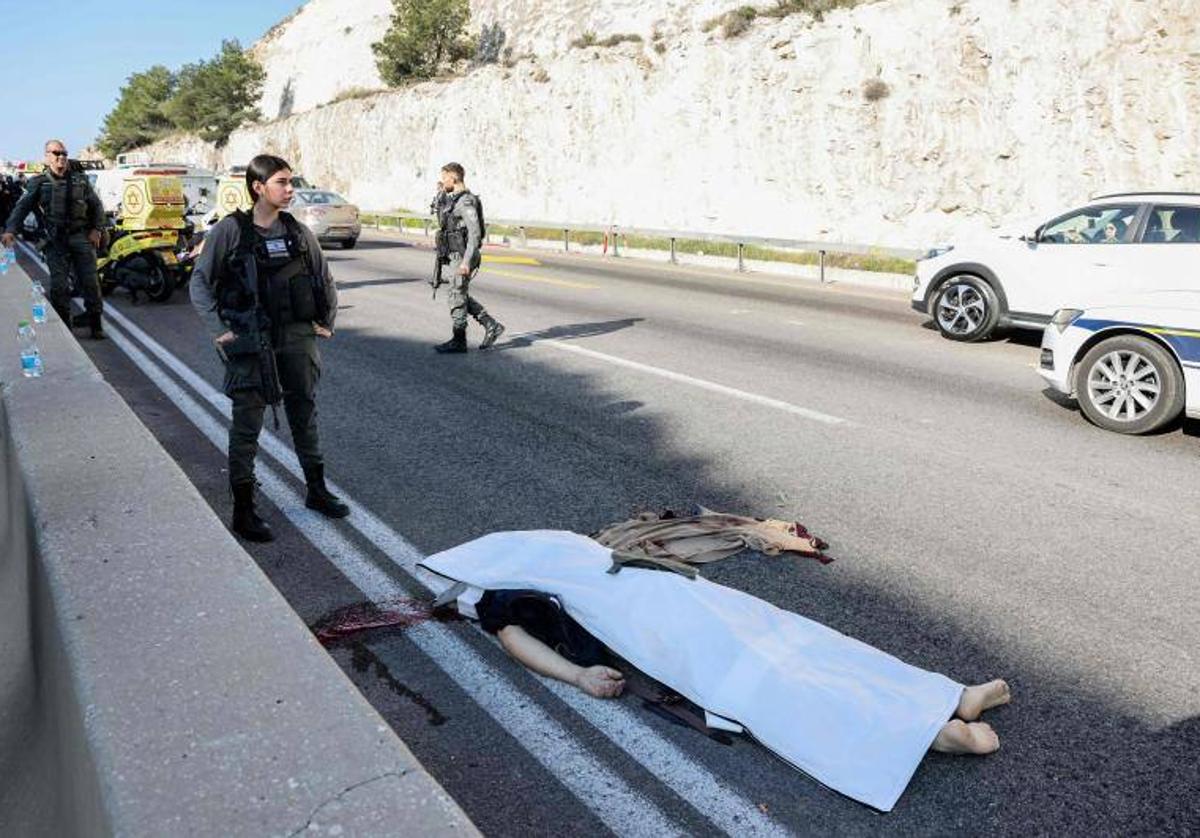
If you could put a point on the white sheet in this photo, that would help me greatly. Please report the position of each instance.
(853, 717)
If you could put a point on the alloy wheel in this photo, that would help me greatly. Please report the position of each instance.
(961, 309)
(1124, 385)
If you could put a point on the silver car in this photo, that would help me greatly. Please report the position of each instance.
(328, 215)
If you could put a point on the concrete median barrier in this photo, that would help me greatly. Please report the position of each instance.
(152, 681)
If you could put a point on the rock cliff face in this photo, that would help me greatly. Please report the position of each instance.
(898, 121)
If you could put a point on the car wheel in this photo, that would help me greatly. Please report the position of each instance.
(348, 244)
(965, 308)
(1129, 384)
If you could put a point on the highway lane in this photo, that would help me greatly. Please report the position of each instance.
(980, 528)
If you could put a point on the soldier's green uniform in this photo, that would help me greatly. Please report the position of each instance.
(458, 220)
(70, 209)
(295, 291)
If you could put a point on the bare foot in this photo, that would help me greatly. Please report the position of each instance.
(982, 697)
(958, 737)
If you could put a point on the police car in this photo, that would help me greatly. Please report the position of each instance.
(1133, 364)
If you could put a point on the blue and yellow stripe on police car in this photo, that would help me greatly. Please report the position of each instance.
(1185, 342)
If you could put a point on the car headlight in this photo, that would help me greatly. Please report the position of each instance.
(935, 251)
(1064, 317)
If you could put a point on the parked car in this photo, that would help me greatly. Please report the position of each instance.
(1115, 245)
(330, 216)
(1132, 364)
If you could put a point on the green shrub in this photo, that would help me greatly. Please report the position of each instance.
(424, 35)
(139, 116)
(353, 93)
(874, 90)
(587, 39)
(613, 40)
(816, 8)
(738, 21)
(732, 23)
(214, 97)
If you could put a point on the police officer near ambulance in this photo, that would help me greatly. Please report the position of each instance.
(74, 219)
(460, 236)
(263, 289)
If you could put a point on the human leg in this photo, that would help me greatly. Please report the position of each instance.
(458, 300)
(248, 408)
(59, 263)
(299, 372)
(83, 259)
(492, 328)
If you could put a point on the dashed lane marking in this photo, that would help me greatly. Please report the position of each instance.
(703, 384)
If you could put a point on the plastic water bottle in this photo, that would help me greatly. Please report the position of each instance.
(38, 302)
(7, 258)
(31, 359)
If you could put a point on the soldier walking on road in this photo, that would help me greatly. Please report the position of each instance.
(263, 289)
(460, 234)
(74, 218)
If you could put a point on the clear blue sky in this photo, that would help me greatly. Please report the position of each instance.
(64, 63)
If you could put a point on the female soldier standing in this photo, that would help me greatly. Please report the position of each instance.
(263, 289)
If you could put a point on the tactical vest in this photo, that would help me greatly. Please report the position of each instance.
(452, 233)
(62, 203)
(289, 288)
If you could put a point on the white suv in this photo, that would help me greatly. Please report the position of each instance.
(1117, 244)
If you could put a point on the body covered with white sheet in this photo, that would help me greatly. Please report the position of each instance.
(855, 718)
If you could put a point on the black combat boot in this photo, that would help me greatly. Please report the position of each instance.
(458, 343)
(246, 522)
(95, 325)
(63, 309)
(319, 496)
(492, 330)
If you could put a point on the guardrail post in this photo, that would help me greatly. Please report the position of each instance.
(822, 253)
(616, 252)
(674, 261)
(741, 257)
(428, 224)
(566, 240)
(524, 236)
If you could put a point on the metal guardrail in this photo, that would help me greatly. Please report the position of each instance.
(615, 232)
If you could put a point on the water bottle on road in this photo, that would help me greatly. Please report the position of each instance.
(31, 359)
(39, 302)
(7, 257)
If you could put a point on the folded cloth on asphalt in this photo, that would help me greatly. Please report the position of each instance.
(703, 536)
(851, 716)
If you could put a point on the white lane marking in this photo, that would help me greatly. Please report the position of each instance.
(711, 386)
(610, 798)
(686, 777)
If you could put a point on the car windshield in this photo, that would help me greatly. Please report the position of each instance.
(321, 197)
(1093, 225)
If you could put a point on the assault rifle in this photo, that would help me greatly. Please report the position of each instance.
(254, 327)
(437, 280)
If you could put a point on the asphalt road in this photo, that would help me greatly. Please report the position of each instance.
(980, 528)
